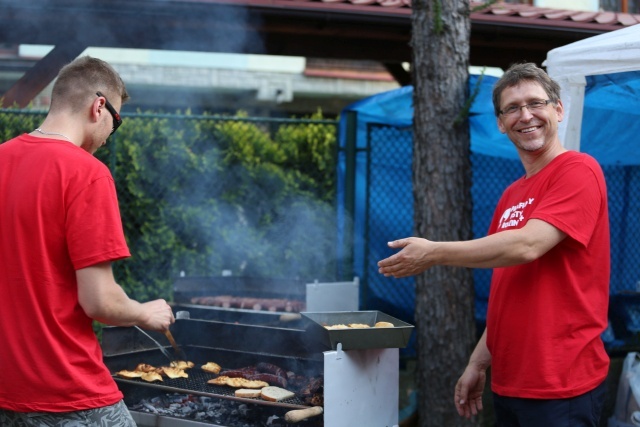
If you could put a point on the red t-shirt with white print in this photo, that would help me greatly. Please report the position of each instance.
(545, 317)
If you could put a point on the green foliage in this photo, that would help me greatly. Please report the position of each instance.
(438, 22)
(202, 194)
(14, 122)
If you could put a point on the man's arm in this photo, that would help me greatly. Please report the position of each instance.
(510, 247)
(105, 301)
(470, 386)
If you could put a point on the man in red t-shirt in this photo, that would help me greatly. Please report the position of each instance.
(60, 230)
(548, 244)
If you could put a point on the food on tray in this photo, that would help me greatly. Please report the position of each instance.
(349, 326)
(384, 325)
(173, 373)
(276, 394)
(247, 392)
(211, 367)
(181, 364)
(237, 382)
(340, 326)
(359, 325)
(151, 376)
(129, 374)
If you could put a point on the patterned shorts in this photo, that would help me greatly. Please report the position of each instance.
(108, 416)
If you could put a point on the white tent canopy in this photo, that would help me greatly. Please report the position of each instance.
(614, 52)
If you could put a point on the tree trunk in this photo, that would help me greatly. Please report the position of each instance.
(442, 196)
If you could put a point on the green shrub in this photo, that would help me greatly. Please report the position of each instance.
(202, 194)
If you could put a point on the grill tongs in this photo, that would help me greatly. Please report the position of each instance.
(178, 351)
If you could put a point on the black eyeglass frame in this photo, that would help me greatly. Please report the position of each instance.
(117, 120)
(541, 103)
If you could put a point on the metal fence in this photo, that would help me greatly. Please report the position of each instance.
(211, 195)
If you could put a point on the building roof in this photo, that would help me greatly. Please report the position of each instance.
(372, 30)
(516, 14)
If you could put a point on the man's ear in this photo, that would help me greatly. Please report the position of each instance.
(559, 110)
(97, 108)
(501, 125)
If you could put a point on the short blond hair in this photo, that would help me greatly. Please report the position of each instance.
(81, 79)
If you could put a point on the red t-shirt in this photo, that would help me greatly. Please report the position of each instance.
(545, 317)
(58, 213)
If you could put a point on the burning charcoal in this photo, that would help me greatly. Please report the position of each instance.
(243, 410)
(205, 400)
(149, 407)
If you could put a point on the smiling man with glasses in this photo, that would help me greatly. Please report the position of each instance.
(60, 230)
(548, 246)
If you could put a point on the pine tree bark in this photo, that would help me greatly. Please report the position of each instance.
(442, 197)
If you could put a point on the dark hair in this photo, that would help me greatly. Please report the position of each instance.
(81, 79)
(518, 73)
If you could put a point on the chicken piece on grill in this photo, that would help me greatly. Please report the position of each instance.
(129, 374)
(173, 373)
(182, 364)
(151, 376)
(143, 367)
(211, 367)
(237, 382)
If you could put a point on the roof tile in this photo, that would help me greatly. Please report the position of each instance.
(560, 14)
(627, 19)
(606, 18)
(391, 3)
(584, 16)
(609, 20)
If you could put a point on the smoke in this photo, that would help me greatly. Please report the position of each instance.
(252, 224)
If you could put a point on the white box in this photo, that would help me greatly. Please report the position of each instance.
(333, 296)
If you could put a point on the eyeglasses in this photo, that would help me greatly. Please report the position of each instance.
(532, 106)
(117, 121)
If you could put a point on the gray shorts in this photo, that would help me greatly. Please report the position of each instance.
(116, 415)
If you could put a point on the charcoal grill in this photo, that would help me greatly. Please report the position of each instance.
(360, 386)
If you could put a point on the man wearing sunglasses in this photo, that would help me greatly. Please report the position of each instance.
(60, 230)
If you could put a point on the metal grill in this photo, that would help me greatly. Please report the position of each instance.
(197, 384)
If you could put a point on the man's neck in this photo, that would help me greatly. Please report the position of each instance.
(535, 161)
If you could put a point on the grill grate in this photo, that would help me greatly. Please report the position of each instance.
(197, 384)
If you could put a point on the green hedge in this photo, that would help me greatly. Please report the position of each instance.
(203, 194)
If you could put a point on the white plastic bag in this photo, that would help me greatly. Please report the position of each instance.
(628, 396)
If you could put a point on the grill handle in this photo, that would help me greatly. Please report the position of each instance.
(298, 415)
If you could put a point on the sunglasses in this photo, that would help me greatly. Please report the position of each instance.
(117, 121)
